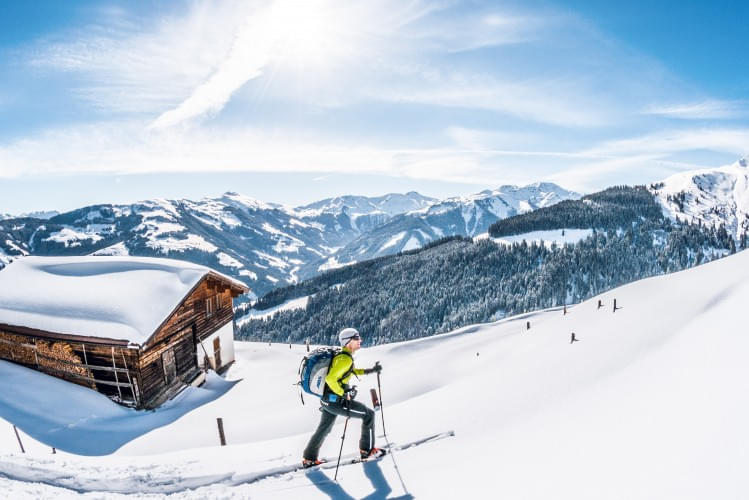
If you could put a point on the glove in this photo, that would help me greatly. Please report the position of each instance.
(349, 392)
(377, 368)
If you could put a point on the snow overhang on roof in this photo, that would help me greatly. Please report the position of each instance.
(119, 298)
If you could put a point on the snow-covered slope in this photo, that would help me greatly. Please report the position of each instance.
(650, 403)
(460, 216)
(714, 196)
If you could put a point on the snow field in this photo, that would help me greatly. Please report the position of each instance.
(650, 403)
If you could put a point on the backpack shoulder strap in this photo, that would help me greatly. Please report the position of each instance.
(351, 368)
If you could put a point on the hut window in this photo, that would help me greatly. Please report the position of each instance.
(209, 307)
(218, 302)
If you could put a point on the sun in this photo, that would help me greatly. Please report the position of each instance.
(306, 33)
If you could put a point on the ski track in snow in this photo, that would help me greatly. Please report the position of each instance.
(167, 479)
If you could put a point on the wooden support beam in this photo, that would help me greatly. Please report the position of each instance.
(83, 365)
(48, 369)
(114, 365)
(6, 341)
(128, 376)
(221, 435)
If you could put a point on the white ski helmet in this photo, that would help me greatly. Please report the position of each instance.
(346, 335)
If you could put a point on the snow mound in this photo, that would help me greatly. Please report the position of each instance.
(114, 297)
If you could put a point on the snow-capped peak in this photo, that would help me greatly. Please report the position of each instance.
(390, 205)
(243, 201)
(508, 199)
(713, 196)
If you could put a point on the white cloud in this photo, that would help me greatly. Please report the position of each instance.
(702, 110)
(186, 66)
(473, 30)
(648, 158)
(137, 64)
(285, 29)
(553, 101)
(127, 148)
(659, 144)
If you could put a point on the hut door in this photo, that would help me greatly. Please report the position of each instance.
(217, 352)
(170, 367)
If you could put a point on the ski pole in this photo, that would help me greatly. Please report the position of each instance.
(387, 441)
(341, 450)
(382, 412)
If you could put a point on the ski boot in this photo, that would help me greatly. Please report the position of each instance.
(371, 454)
(306, 463)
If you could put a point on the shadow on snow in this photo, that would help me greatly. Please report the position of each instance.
(81, 421)
(373, 472)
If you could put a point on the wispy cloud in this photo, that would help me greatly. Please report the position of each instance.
(129, 64)
(285, 28)
(126, 148)
(661, 144)
(552, 101)
(471, 30)
(709, 109)
(187, 66)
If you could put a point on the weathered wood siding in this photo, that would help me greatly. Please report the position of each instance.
(191, 322)
(109, 369)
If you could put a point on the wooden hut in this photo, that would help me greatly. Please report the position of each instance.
(135, 329)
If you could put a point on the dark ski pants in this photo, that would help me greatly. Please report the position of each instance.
(330, 411)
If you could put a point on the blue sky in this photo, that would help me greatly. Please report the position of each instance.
(297, 100)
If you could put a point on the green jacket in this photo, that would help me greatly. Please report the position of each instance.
(339, 367)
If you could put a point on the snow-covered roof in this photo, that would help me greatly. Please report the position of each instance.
(112, 297)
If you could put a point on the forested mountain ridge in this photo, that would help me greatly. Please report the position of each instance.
(458, 281)
(611, 208)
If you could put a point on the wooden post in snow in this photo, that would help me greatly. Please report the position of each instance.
(527, 325)
(307, 342)
(221, 435)
(18, 436)
(600, 304)
(565, 309)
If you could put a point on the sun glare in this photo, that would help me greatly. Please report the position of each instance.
(305, 32)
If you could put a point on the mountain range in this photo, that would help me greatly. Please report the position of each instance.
(460, 216)
(268, 245)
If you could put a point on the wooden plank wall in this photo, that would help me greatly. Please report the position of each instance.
(111, 370)
(179, 332)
